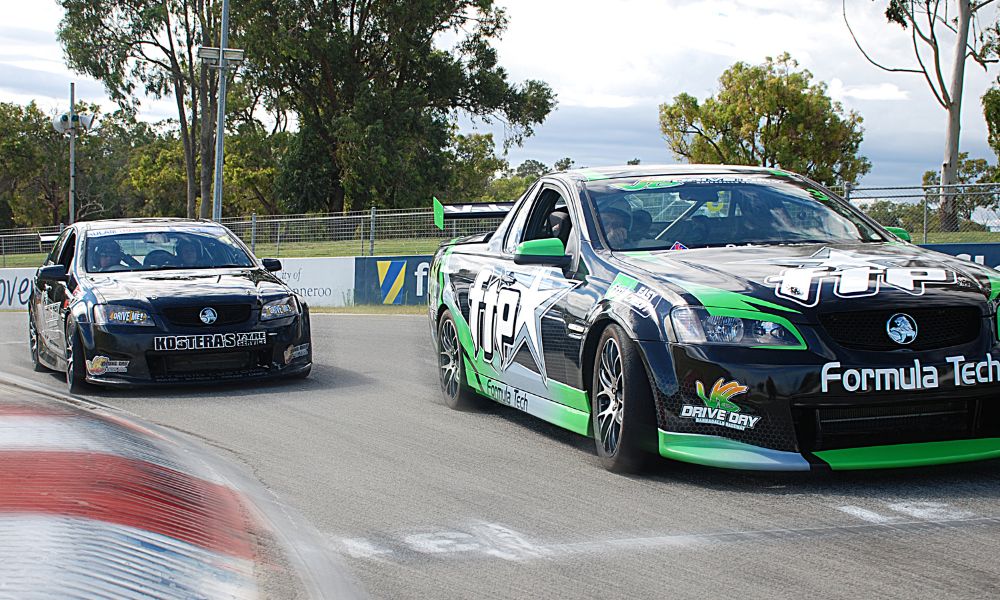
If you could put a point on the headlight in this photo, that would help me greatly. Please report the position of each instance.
(733, 327)
(114, 314)
(286, 307)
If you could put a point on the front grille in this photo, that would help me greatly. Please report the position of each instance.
(829, 428)
(936, 328)
(207, 363)
(188, 316)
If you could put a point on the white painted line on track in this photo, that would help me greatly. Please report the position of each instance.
(869, 515)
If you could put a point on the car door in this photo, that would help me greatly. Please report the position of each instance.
(521, 318)
(54, 296)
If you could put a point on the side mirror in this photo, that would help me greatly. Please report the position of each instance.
(52, 274)
(900, 233)
(271, 264)
(548, 251)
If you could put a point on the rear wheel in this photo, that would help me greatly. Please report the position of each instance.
(622, 405)
(33, 344)
(456, 393)
(76, 374)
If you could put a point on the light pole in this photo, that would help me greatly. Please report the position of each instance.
(69, 122)
(222, 57)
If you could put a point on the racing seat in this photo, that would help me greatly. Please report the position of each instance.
(559, 225)
(158, 258)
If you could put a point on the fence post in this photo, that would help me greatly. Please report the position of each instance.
(847, 190)
(277, 246)
(925, 217)
(371, 236)
(3, 249)
(253, 233)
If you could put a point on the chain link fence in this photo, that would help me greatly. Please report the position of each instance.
(971, 216)
(935, 214)
(368, 233)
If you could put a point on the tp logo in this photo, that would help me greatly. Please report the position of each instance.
(391, 277)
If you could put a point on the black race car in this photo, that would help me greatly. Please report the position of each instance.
(728, 316)
(163, 300)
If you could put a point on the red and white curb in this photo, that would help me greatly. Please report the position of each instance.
(94, 505)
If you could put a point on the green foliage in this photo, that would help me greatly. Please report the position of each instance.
(531, 168)
(770, 115)
(965, 200)
(563, 164)
(378, 95)
(472, 168)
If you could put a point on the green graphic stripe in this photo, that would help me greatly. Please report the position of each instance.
(715, 451)
(994, 285)
(624, 281)
(717, 297)
(570, 396)
(911, 455)
(577, 421)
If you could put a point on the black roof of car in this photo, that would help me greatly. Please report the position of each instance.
(139, 223)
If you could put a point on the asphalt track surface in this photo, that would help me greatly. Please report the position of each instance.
(425, 502)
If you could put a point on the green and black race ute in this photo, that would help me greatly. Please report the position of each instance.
(736, 317)
(150, 301)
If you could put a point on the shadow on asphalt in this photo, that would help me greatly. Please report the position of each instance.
(981, 479)
(322, 377)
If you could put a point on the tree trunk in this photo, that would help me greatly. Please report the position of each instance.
(192, 191)
(207, 143)
(949, 169)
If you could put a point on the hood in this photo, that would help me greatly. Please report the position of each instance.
(811, 278)
(178, 287)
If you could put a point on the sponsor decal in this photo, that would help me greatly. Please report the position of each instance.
(128, 316)
(902, 328)
(208, 315)
(718, 407)
(645, 184)
(505, 314)
(391, 276)
(507, 395)
(629, 291)
(916, 377)
(855, 275)
(678, 246)
(293, 352)
(100, 365)
(209, 341)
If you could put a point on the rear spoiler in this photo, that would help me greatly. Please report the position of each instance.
(475, 210)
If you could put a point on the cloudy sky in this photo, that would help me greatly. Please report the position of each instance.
(613, 62)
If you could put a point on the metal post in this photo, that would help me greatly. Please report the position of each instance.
(253, 233)
(925, 218)
(3, 249)
(277, 245)
(72, 153)
(371, 237)
(847, 190)
(220, 124)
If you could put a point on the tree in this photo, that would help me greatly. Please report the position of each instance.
(770, 115)
(927, 20)
(473, 166)
(369, 84)
(563, 164)
(633, 162)
(965, 200)
(531, 168)
(130, 44)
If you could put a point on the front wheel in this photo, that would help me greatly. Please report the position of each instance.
(622, 405)
(457, 394)
(76, 374)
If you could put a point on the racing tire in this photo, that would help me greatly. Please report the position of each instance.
(624, 420)
(33, 342)
(76, 374)
(456, 392)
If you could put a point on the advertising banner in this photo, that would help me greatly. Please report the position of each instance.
(15, 288)
(320, 281)
(391, 279)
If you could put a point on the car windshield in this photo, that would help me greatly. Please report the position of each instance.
(678, 212)
(159, 249)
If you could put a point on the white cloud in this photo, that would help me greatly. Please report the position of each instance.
(883, 91)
